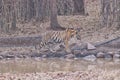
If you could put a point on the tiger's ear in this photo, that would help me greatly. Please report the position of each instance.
(68, 29)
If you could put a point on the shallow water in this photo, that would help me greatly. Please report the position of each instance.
(53, 65)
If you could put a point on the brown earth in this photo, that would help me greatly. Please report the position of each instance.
(96, 74)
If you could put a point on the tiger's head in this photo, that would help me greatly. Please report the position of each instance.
(74, 32)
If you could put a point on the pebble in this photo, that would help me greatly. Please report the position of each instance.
(90, 58)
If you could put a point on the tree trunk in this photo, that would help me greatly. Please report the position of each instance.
(78, 7)
(21, 11)
(0, 14)
(53, 16)
(110, 13)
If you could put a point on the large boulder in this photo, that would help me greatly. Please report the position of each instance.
(90, 46)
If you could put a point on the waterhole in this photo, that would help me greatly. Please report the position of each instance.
(54, 65)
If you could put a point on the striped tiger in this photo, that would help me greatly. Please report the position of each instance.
(57, 37)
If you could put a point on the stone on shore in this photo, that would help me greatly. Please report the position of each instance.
(100, 55)
(90, 58)
(90, 46)
(116, 55)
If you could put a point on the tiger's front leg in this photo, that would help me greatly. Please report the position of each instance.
(67, 46)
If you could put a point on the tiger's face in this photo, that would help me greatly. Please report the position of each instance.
(74, 32)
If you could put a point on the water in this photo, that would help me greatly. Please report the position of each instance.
(53, 65)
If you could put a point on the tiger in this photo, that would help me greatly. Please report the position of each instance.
(57, 37)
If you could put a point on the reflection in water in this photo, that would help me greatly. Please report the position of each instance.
(52, 65)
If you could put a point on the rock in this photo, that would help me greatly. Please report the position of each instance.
(10, 56)
(60, 54)
(19, 56)
(84, 52)
(83, 46)
(90, 58)
(74, 47)
(1, 57)
(49, 55)
(70, 56)
(108, 56)
(34, 54)
(81, 53)
(78, 46)
(111, 53)
(100, 55)
(44, 56)
(116, 55)
(90, 46)
(76, 52)
(25, 56)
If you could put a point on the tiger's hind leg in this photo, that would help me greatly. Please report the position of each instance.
(51, 46)
(41, 47)
(55, 48)
(38, 48)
